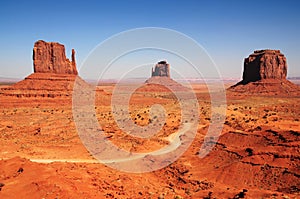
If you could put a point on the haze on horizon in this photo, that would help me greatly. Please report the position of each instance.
(228, 30)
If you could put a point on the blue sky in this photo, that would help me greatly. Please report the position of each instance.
(228, 30)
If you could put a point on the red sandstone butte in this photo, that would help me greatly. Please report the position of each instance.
(161, 78)
(161, 69)
(50, 57)
(265, 72)
(264, 64)
(54, 75)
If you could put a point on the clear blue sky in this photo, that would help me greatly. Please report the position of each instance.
(228, 30)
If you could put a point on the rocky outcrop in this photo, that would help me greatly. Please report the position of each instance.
(265, 72)
(160, 79)
(161, 69)
(50, 57)
(264, 64)
(54, 75)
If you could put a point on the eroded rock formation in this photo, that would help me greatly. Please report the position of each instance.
(161, 78)
(54, 75)
(50, 57)
(161, 69)
(264, 64)
(265, 72)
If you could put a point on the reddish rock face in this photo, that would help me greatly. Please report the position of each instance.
(265, 74)
(161, 76)
(264, 64)
(161, 69)
(50, 57)
(54, 75)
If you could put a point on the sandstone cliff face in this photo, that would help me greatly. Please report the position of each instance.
(49, 57)
(265, 74)
(54, 75)
(264, 64)
(161, 69)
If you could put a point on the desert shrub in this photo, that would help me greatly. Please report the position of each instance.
(249, 151)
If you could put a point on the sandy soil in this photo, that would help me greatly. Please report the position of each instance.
(256, 156)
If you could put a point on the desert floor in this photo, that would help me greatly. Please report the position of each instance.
(256, 156)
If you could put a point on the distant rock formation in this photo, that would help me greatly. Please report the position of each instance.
(161, 76)
(54, 75)
(50, 57)
(265, 72)
(161, 69)
(264, 64)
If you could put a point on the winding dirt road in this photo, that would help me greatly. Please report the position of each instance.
(174, 140)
